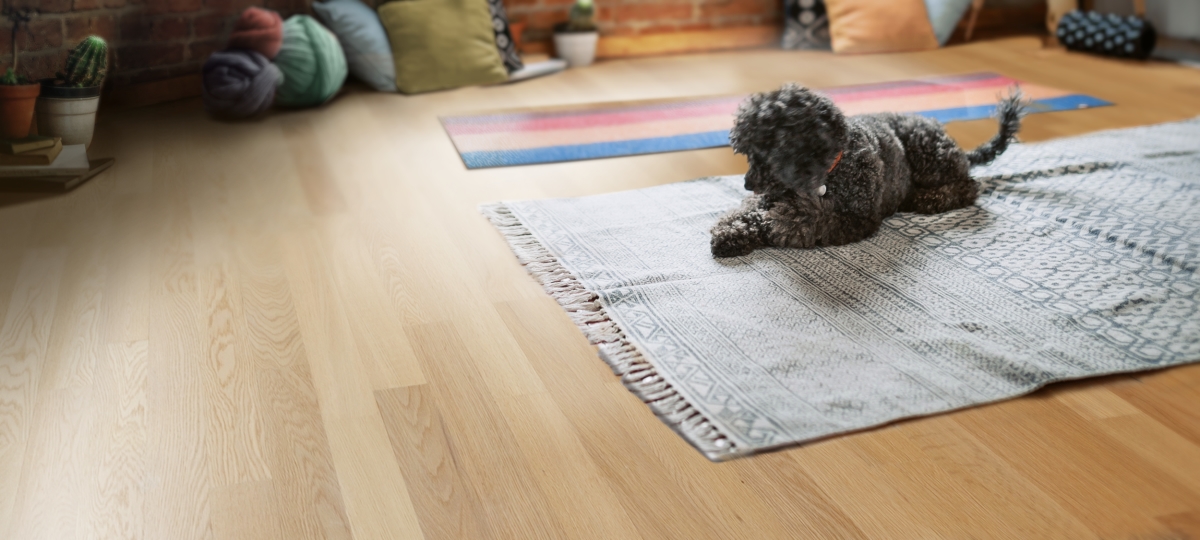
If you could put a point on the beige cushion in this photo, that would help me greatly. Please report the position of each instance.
(440, 44)
(875, 26)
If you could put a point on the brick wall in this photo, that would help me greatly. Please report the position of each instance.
(635, 17)
(150, 40)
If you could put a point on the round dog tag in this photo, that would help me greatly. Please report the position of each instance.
(821, 191)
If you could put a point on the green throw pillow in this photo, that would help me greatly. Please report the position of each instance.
(440, 44)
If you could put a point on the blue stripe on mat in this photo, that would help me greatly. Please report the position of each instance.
(573, 152)
(711, 139)
(975, 112)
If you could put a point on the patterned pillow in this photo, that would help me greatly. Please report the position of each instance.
(805, 25)
(504, 40)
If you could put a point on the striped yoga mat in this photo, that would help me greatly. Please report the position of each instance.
(600, 130)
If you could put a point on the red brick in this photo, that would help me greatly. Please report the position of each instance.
(135, 26)
(53, 6)
(725, 8)
(288, 8)
(84, 5)
(141, 56)
(173, 6)
(36, 66)
(212, 25)
(170, 29)
(81, 26)
(653, 12)
(41, 34)
(228, 7)
(200, 50)
(545, 19)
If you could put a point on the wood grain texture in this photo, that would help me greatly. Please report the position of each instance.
(118, 490)
(301, 327)
(24, 338)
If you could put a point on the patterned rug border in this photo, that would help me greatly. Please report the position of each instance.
(627, 362)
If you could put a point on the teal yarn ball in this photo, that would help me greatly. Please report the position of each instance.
(312, 62)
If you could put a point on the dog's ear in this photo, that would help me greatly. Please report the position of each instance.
(810, 131)
(748, 136)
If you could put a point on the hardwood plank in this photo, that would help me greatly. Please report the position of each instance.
(128, 283)
(447, 505)
(578, 493)
(1169, 399)
(52, 505)
(177, 495)
(77, 342)
(647, 461)
(513, 504)
(238, 510)
(311, 166)
(308, 498)
(1074, 463)
(118, 497)
(234, 429)
(24, 338)
(374, 492)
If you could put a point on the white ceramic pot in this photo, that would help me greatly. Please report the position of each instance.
(73, 119)
(577, 48)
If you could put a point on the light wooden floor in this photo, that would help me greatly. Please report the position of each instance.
(302, 328)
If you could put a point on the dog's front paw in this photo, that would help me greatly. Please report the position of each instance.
(734, 239)
(730, 246)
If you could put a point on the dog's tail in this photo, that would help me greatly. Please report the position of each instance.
(1009, 112)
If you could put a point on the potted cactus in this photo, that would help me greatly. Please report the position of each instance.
(575, 40)
(67, 106)
(17, 92)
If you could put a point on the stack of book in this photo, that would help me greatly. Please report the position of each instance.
(38, 163)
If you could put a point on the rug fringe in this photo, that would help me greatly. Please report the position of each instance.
(585, 309)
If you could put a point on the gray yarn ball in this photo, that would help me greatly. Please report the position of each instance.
(239, 83)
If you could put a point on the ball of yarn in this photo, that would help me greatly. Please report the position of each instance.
(239, 83)
(259, 30)
(312, 62)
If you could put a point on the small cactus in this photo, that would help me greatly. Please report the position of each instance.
(581, 17)
(87, 63)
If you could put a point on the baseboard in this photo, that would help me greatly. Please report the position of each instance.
(150, 93)
(692, 41)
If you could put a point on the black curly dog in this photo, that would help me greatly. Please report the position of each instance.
(822, 179)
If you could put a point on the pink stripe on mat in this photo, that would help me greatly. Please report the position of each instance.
(997, 82)
(476, 142)
(586, 108)
(941, 100)
(594, 119)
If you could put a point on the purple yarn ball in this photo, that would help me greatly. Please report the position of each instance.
(239, 83)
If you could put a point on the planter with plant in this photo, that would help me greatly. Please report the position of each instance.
(67, 106)
(17, 92)
(575, 40)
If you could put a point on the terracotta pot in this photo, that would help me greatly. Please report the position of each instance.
(517, 30)
(16, 109)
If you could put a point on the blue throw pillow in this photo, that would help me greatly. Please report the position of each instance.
(944, 16)
(362, 36)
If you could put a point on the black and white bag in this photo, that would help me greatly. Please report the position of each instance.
(1109, 35)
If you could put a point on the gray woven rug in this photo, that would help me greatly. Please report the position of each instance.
(1079, 260)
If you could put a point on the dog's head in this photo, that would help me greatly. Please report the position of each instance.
(791, 137)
